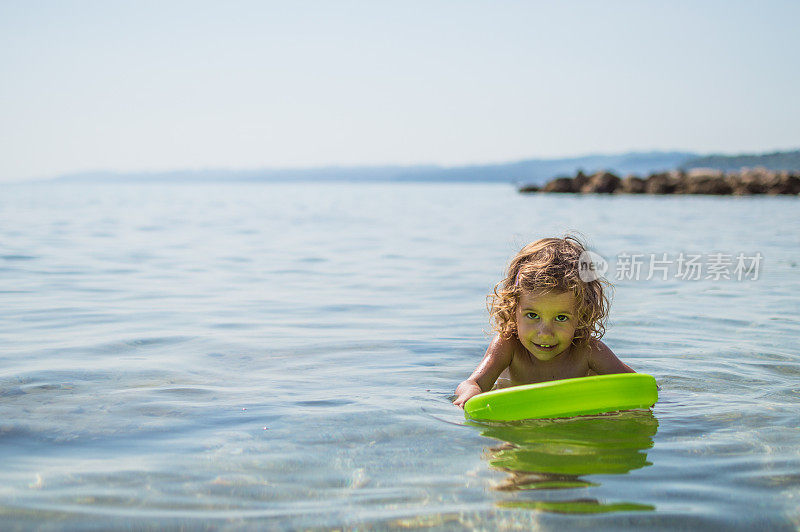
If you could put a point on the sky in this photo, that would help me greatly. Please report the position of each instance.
(166, 85)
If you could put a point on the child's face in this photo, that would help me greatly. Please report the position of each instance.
(546, 322)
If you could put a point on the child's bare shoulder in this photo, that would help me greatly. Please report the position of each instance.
(592, 347)
(510, 346)
(602, 359)
(503, 342)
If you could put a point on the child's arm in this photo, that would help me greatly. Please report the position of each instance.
(603, 361)
(497, 358)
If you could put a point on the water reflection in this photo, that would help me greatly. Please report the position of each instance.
(579, 506)
(553, 454)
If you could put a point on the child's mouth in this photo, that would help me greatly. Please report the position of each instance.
(545, 347)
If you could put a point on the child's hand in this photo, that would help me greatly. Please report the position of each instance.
(464, 391)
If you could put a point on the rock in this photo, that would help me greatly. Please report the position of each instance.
(559, 184)
(660, 184)
(579, 181)
(748, 182)
(632, 185)
(695, 173)
(763, 181)
(696, 183)
(782, 183)
(601, 183)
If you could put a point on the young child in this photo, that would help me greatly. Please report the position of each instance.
(548, 321)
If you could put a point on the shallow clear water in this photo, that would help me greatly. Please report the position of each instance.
(282, 356)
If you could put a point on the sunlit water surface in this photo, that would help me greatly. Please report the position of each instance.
(280, 356)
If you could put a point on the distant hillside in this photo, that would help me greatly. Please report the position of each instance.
(787, 160)
(333, 173)
(540, 170)
(527, 171)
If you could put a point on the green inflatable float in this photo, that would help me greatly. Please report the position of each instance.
(565, 398)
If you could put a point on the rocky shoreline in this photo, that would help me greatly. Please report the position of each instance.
(746, 182)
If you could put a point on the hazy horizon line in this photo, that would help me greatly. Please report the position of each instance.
(389, 166)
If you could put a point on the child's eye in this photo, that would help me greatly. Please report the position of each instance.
(531, 315)
(562, 317)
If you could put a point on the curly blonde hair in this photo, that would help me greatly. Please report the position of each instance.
(551, 264)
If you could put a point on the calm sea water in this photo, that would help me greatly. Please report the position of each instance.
(280, 356)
